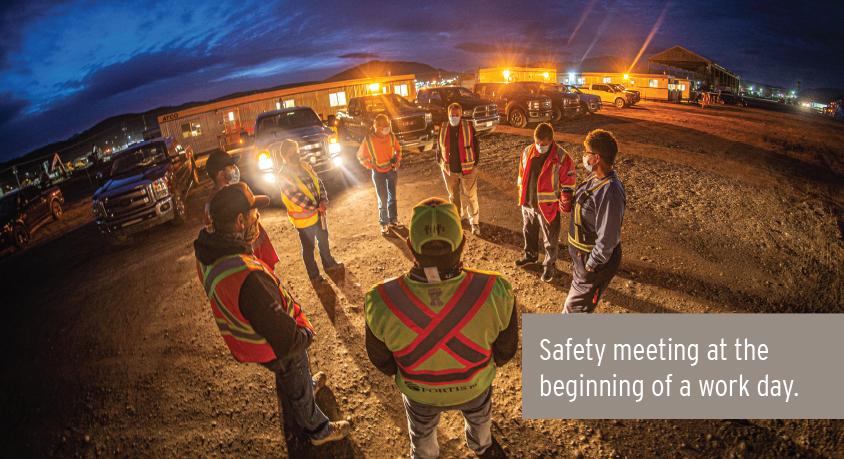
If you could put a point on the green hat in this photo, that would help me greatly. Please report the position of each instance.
(435, 219)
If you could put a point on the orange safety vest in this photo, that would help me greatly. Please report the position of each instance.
(222, 281)
(464, 144)
(299, 215)
(369, 157)
(556, 177)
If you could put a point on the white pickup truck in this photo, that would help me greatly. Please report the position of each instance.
(610, 94)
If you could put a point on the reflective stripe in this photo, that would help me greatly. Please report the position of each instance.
(467, 162)
(459, 310)
(579, 239)
(220, 269)
(226, 328)
(417, 316)
(371, 147)
(452, 377)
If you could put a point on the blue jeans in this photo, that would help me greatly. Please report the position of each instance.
(294, 383)
(307, 236)
(385, 188)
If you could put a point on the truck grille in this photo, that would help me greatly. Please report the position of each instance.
(484, 111)
(408, 124)
(117, 206)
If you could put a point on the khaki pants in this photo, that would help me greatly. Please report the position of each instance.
(463, 191)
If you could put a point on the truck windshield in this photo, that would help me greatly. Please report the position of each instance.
(455, 93)
(391, 102)
(138, 158)
(555, 88)
(288, 120)
(532, 88)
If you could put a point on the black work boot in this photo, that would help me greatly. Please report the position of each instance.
(525, 260)
(548, 273)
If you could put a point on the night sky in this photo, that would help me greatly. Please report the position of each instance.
(68, 65)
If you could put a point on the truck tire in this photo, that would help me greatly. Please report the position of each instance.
(517, 118)
(21, 236)
(56, 209)
(557, 115)
(180, 211)
(619, 103)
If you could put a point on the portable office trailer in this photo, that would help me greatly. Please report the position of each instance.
(508, 74)
(650, 86)
(222, 124)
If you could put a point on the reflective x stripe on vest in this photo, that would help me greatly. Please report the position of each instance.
(579, 236)
(467, 153)
(371, 148)
(440, 331)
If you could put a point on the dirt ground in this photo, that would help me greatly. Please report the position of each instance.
(112, 351)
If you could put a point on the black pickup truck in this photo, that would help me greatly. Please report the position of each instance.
(23, 212)
(563, 104)
(411, 124)
(146, 185)
(518, 106)
(483, 113)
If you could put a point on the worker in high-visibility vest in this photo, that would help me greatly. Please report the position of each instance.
(259, 320)
(457, 154)
(222, 170)
(380, 152)
(595, 226)
(304, 196)
(441, 330)
(546, 181)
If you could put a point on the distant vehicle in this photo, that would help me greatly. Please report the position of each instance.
(414, 126)
(483, 113)
(146, 185)
(589, 103)
(637, 96)
(518, 105)
(318, 146)
(609, 94)
(563, 103)
(24, 212)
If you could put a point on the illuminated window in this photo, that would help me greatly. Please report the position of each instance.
(337, 99)
(400, 89)
(653, 83)
(278, 105)
(289, 103)
(670, 86)
(632, 82)
(231, 116)
(581, 81)
(681, 87)
(192, 129)
(607, 80)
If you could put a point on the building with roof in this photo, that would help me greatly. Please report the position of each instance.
(682, 62)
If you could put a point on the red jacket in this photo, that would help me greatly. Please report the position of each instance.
(555, 183)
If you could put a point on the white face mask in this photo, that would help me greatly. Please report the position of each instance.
(586, 164)
(233, 176)
(543, 149)
(454, 120)
(385, 131)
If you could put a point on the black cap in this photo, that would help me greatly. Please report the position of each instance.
(232, 200)
(217, 161)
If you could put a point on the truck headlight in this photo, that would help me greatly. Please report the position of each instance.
(428, 118)
(265, 161)
(160, 189)
(338, 161)
(334, 148)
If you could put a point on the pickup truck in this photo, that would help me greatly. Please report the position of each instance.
(413, 126)
(23, 212)
(146, 185)
(563, 104)
(318, 146)
(589, 103)
(481, 112)
(518, 106)
(609, 94)
(637, 96)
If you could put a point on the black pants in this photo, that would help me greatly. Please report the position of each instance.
(587, 287)
(534, 226)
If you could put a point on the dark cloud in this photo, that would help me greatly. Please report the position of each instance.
(358, 56)
(10, 108)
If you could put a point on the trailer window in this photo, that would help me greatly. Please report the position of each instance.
(337, 99)
(192, 129)
(400, 89)
(607, 80)
(653, 83)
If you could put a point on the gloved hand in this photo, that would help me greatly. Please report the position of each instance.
(565, 202)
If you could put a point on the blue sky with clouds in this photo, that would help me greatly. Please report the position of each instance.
(65, 66)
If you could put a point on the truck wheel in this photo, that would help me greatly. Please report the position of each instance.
(517, 118)
(557, 115)
(21, 235)
(619, 102)
(56, 210)
(180, 211)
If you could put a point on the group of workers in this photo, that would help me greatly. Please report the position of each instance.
(441, 329)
